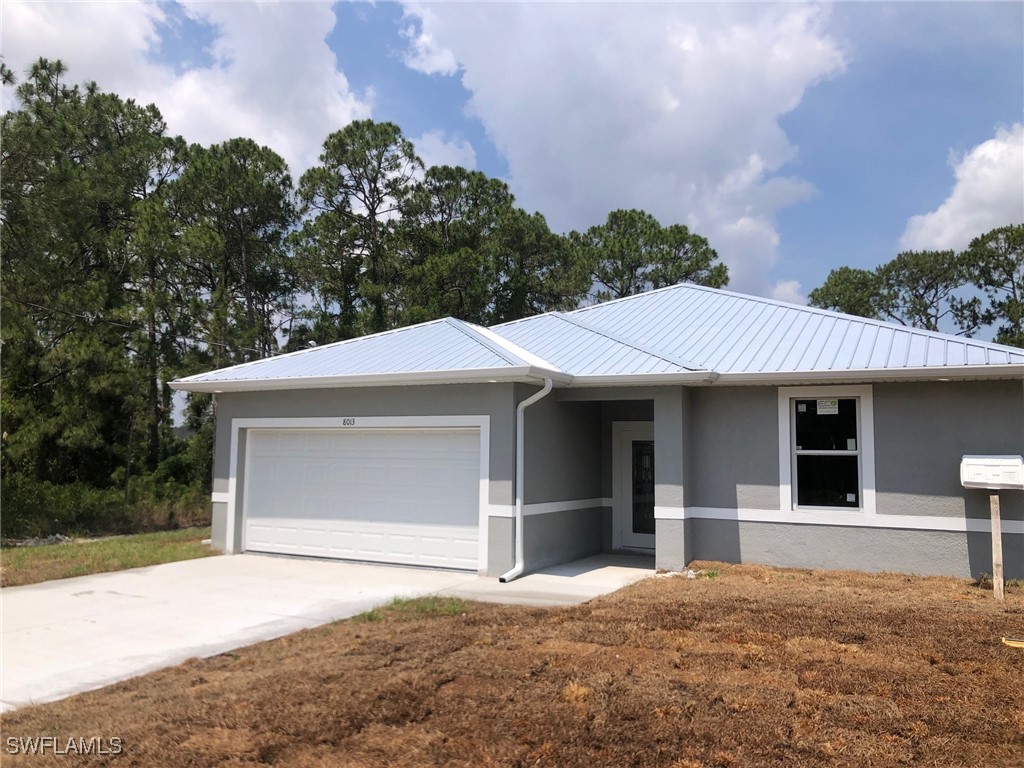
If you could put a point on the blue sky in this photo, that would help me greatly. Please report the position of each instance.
(797, 138)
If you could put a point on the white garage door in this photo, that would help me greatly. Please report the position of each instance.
(385, 495)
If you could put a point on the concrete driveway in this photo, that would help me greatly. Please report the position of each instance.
(72, 635)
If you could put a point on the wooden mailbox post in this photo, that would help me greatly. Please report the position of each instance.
(994, 473)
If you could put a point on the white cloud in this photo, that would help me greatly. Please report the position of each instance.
(424, 54)
(788, 291)
(673, 108)
(988, 193)
(434, 149)
(103, 41)
(273, 77)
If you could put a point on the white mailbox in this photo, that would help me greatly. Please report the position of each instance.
(995, 472)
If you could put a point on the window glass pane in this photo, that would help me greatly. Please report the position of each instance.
(826, 424)
(827, 481)
(643, 486)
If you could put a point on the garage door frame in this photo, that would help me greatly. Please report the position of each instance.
(236, 516)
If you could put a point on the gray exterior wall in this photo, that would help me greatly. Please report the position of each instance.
(551, 538)
(944, 553)
(922, 430)
(560, 537)
(563, 449)
(494, 400)
(563, 463)
(717, 446)
(674, 544)
(734, 448)
(548, 539)
(218, 532)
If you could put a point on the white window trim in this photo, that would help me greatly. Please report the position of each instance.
(481, 422)
(866, 423)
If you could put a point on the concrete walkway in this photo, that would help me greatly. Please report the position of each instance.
(73, 635)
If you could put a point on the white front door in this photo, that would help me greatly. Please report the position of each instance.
(633, 485)
(408, 496)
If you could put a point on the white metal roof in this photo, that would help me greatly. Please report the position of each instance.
(587, 352)
(734, 334)
(445, 350)
(684, 333)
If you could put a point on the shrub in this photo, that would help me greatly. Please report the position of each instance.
(33, 508)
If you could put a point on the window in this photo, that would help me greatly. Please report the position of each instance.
(826, 448)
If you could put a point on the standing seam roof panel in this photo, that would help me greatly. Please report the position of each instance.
(861, 355)
(759, 329)
(583, 351)
(898, 349)
(917, 348)
(768, 351)
(846, 347)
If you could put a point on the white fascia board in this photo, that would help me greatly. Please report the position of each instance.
(468, 376)
(870, 375)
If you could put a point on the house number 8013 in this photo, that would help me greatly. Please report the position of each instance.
(348, 422)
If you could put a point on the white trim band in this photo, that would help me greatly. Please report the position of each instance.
(838, 519)
(548, 507)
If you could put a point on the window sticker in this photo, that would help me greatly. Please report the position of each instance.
(851, 497)
(828, 407)
(851, 444)
(801, 407)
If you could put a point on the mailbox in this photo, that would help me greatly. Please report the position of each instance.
(995, 472)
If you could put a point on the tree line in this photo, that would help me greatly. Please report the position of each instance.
(131, 257)
(952, 291)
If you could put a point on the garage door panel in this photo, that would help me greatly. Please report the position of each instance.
(407, 496)
(453, 547)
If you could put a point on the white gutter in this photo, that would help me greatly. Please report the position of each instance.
(517, 568)
(868, 375)
(644, 379)
(519, 373)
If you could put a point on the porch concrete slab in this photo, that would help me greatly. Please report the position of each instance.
(72, 635)
(567, 584)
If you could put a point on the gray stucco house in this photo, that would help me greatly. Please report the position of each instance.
(688, 422)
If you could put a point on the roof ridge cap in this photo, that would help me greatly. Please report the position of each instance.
(466, 329)
(502, 346)
(687, 364)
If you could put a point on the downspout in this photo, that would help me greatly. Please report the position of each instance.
(517, 569)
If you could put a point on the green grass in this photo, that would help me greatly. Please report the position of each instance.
(409, 608)
(30, 565)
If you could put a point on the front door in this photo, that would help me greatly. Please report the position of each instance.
(633, 485)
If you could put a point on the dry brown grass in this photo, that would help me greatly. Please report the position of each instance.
(757, 667)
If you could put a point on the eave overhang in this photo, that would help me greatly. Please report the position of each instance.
(522, 373)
